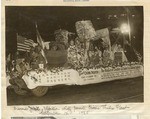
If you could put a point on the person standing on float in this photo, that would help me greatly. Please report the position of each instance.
(72, 55)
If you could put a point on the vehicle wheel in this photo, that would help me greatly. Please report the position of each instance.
(20, 91)
(40, 91)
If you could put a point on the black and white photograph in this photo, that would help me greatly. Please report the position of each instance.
(83, 117)
(74, 55)
(33, 118)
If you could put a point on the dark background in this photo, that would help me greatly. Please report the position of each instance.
(21, 20)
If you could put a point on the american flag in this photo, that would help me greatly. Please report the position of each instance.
(24, 44)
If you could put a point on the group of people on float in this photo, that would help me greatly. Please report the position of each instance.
(79, 54)
(82, 55)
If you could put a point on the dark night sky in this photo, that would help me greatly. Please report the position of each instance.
(21, 20)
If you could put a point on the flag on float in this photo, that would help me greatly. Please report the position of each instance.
(24, 44)
(41, 43)
(39, 38)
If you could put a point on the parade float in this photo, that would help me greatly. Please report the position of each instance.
(74, 64)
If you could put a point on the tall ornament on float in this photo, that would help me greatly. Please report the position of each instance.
(85, 31)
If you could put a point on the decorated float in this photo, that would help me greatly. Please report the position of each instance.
(73, 62)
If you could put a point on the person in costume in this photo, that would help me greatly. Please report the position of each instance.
(72, 54)
(36, 57)
(119, 55)
(99, 56)
(106, 56)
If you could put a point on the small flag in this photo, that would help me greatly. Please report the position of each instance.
(41, 43)
(39, 38)
(24, 44)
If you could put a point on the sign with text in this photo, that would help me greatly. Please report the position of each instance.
(82, 77)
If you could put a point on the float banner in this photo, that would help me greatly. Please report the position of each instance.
(81, 77)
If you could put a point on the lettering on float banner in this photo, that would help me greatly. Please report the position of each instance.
(89, 76)
(81, 77)
(106, 74)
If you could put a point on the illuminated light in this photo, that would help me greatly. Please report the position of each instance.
(115, 15)
(98, 18)
(125, 28)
